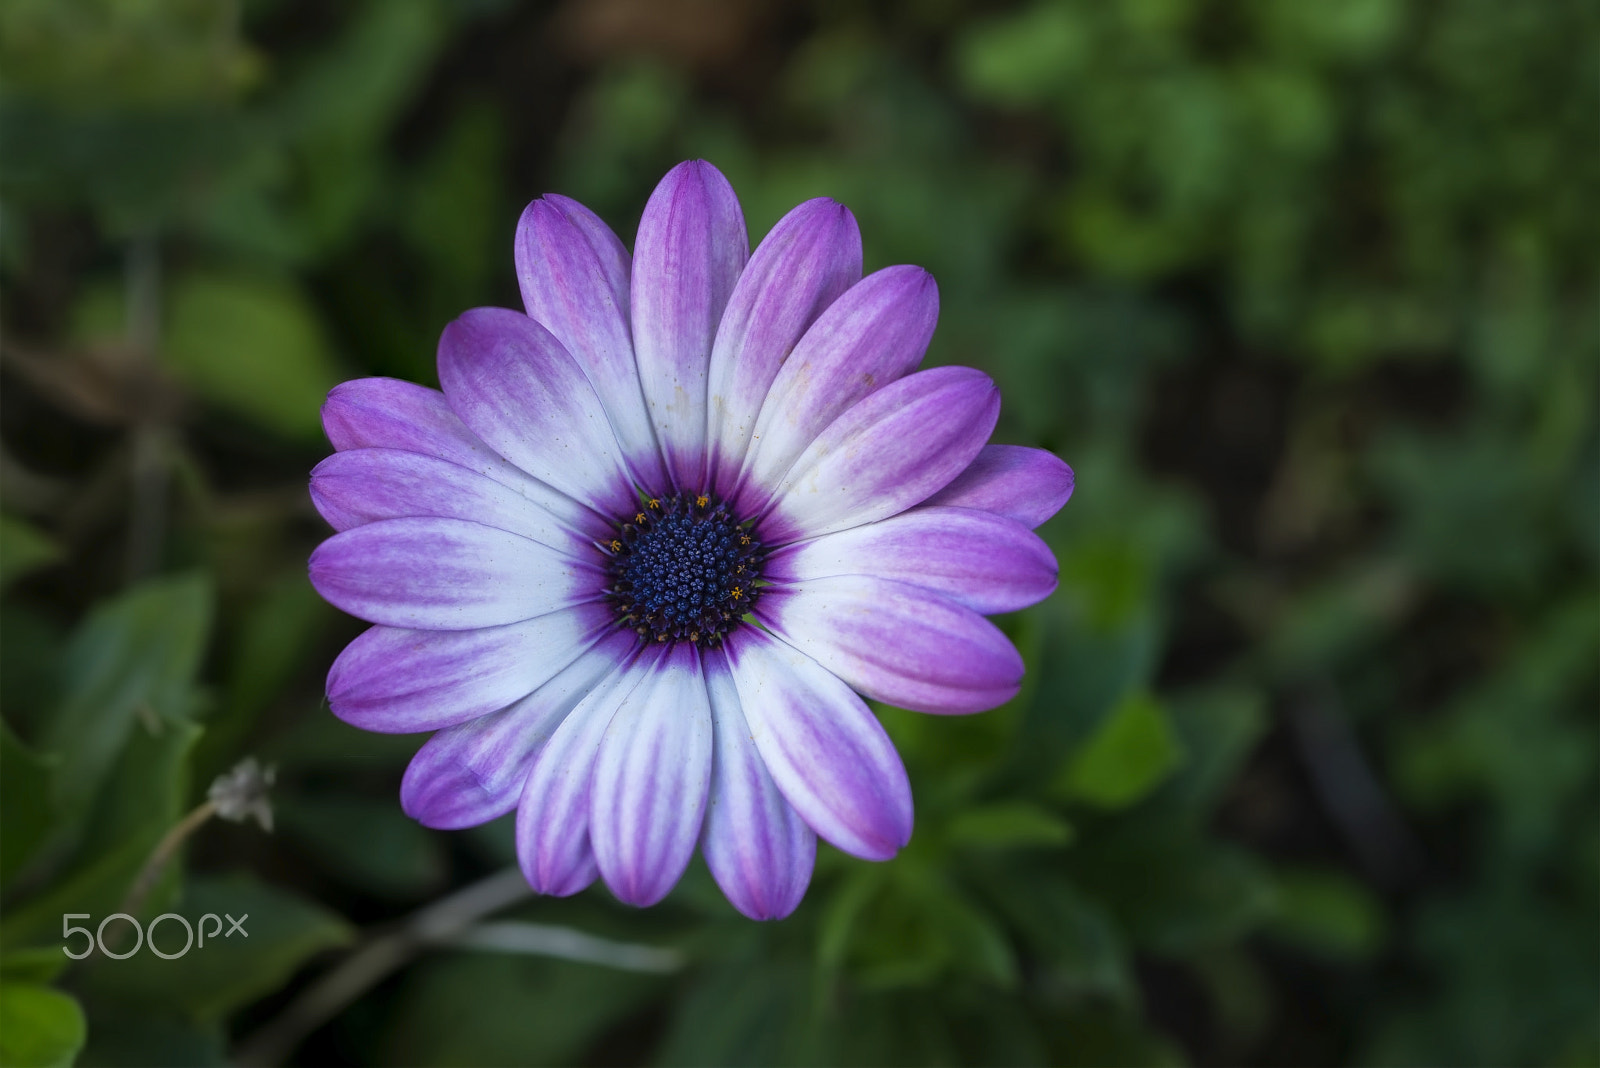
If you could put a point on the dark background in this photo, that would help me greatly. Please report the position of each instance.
(1305, 768)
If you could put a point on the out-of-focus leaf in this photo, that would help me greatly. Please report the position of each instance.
(229, 971)
(1532, 763)
(252, 346)
(489, 1009)
(1129, 756)
(40, 965)
(1080, 945)
(455, 208)
(1025, 57)
(1170, 888)
(1093, 1037)
(91, 54)
(134, 656)
(397, 857)
(141, 799)
(1217, 729)
(30, 662)
(912, 927)
(97, 887)
(25, 800)
(1327, 912)
(144, 791)
(124, 1035)
(39, 1027)
(1240, 990)
(1009, 825)
(743, 1012)
(272, 645)
(1323, 626)
(23, 549)
(324, 742)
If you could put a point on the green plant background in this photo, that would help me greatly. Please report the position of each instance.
(1304, 770)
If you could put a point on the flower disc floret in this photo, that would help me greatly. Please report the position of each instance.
(683, 569)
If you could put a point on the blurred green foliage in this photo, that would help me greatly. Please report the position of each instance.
(1304, 769)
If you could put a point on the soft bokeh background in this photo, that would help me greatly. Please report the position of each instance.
(1305, 769)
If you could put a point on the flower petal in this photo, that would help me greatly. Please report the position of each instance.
(397, 681)
(889, 452)
(553, 813)
(810, 258)
(897, 643)
(360, 486)
(650, 781)
(474, 772)
(978, 559)
(574, 274)
(824, 748)
(690, 250)
(446, 574)
(385, 413)
(758, 848)
(871, 336)
(524, 395)
(1029, 485)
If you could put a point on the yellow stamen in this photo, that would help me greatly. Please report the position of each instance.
(738, 592)
(702, 500)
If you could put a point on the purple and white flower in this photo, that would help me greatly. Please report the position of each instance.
(641, 560)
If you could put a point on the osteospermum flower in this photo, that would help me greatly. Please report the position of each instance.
(641, 559)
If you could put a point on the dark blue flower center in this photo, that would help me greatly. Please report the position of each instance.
(683, 569)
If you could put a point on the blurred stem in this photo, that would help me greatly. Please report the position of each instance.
(147, 521)
(441, 921)
(156, 863)
(1349, 789)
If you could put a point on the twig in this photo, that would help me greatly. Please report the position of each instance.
(366, 967)
(1350, 790)
(546, 940)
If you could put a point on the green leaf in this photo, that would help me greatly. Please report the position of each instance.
(397, 858)
(145, 791)
(130, 1035)
(1079, 943)
(39, 965)
(909, 928)
(142, 798)
(1170, 888)
(1217, 729)
(97, 887)
(23, 549)
(491, 1009)
(326, 743)
(24, 798)
(273, 643)
(1025, 57)
(136, 655)
(1131, 753)
(1009, 825)
(210, 981)
(1329, 913)
(253, 346)
(39, 1027)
